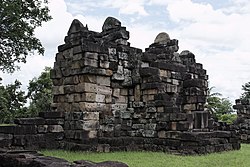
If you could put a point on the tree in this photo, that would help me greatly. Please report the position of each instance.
(246, 88)
(12, 103)
(13, 100)
(220, 108)
(39, 92)
(18, 20)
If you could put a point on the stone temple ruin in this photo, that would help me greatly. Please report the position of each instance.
(109, 96)
(243, 119)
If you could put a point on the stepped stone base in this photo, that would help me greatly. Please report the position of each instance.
(184, 143)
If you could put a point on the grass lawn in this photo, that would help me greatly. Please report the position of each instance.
(7, 124)
(239, 158)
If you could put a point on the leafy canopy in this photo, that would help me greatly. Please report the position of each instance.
(246, 94)
(18, 20)
(219, 107)
(12, 102)
(40, 92)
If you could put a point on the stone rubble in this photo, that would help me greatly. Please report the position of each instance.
(243, 119)
(26, 158)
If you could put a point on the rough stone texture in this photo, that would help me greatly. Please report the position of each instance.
(109, 96)
(243, 119)
(162, 38)
(25, 158)
(111, 23)
(119, 98)
(34, 133)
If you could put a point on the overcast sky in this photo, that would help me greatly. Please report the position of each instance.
(216, 31)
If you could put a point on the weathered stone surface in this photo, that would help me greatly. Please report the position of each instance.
(75, 27)
(242, 124)
(162, 38)
(30, 121)
(33, 159)
(116, 98)
(111, 23)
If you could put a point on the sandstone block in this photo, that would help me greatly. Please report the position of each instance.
(144, 64)
(55, 128)
(104, 64)
(149, 133)
(69, 89)
(162, 134)
(119, 106)
(77, 56)
(77, 49)
(42, 128)
(30, 121)
(89, 62)
(149, 71)
(111, 23)
(108, 98)
(100, 98)
(57, 90)
(173, 126)
(86, 125)
(116, 92)
(71, 80)
(121, 99)
(87, 78)
(92, 134)
(68, 53)
(102, 80)
(122, 56)
(118, 77)
(104, 90)
(86, 106)
(91, 55)
(86, 87)
(112, 51)
(90, 97)
(138, 126)
(121, 41)
(137, 93)
(5, 136)
(90, 116)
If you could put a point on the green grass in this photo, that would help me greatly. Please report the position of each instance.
(240, 158)
(7, 124)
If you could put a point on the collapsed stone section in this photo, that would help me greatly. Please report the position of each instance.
(111, 96)
(43, 132)
(116, 97)
(243, 119)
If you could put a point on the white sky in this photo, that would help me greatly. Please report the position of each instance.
(217, 32)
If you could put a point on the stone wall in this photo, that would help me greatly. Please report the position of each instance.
(41, 132)
(243, 119)
(116, 97)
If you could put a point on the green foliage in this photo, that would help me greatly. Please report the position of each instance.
(13, 99)
(220, 108)
(228, 118)
(246, 89)
(160, 159)
(12, 103)
(39, 92)
(18, 20)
